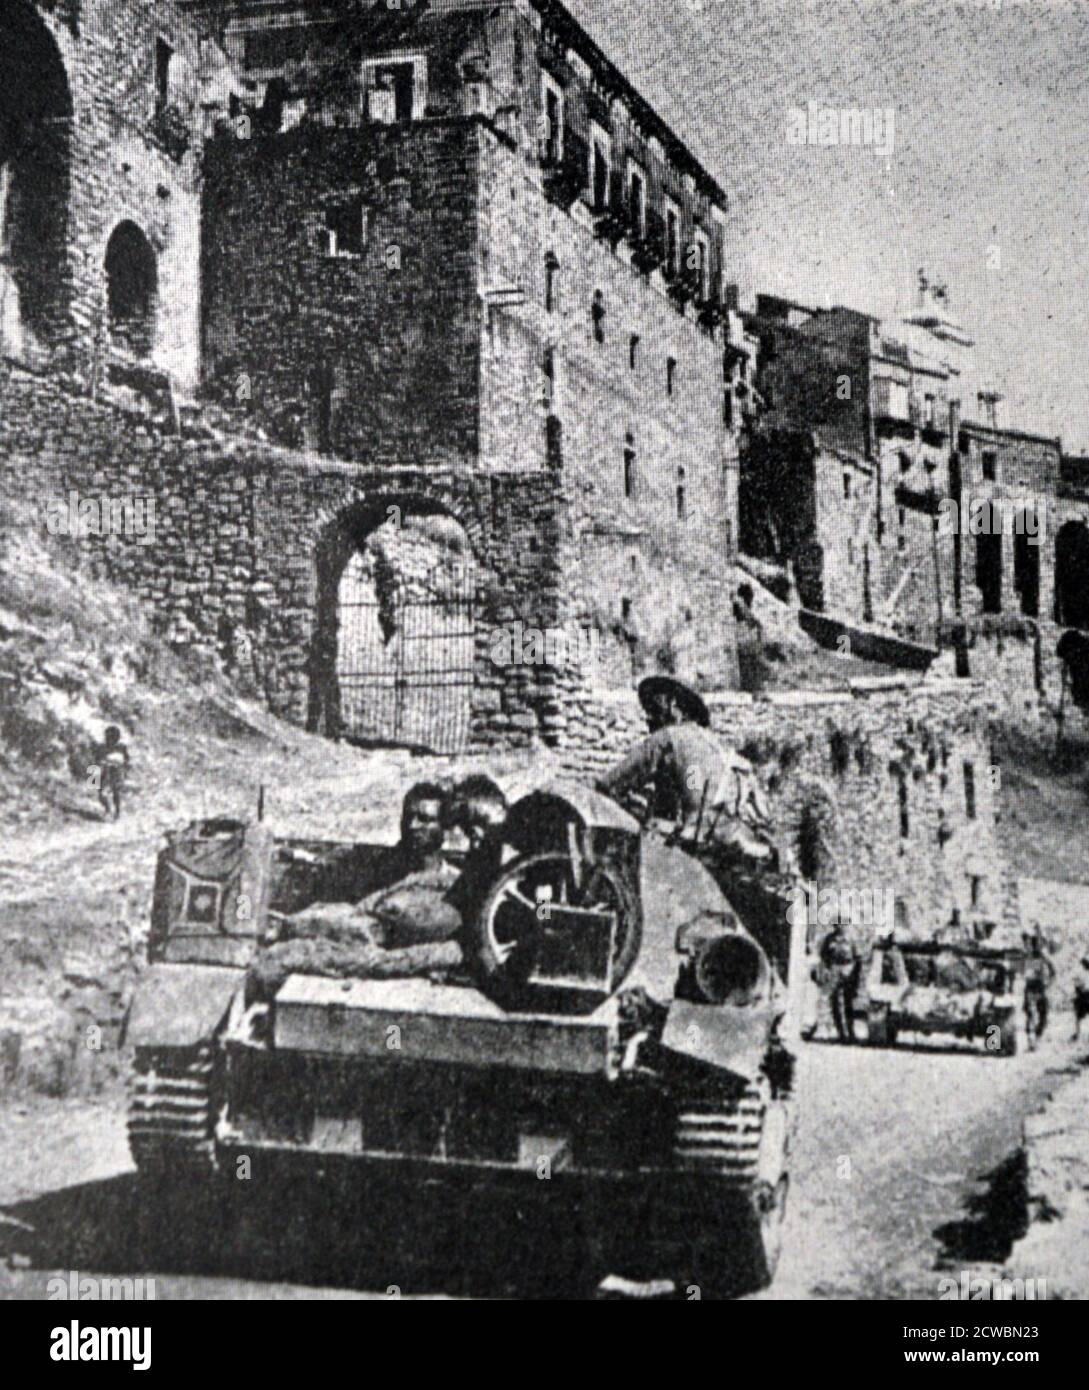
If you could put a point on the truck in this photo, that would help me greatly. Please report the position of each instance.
(613, 1028)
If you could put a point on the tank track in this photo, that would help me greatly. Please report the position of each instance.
(718, 1135)
(170, 1116)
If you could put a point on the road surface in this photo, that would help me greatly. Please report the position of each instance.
(900, 1175)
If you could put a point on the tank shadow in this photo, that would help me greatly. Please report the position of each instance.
(387, 1237)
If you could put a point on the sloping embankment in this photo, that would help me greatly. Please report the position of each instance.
(1056, 1141)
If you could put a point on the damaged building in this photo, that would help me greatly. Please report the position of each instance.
(444, 252)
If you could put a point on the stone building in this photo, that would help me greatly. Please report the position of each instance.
(444, 252)
(841, 470)
(455, 237)
(875, 464)
(99, 185)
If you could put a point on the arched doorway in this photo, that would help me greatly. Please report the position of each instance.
(1072, 575)
(132, 289)
(35, 154)
(395, 644)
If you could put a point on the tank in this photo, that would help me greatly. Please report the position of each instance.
(612, 1027)
(970, 991)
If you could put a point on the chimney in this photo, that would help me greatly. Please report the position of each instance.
(988, 407)
(732, 294)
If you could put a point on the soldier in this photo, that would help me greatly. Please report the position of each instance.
(410, 905)
(1039, 973)
(476, 807)
(841, 964)
(683, 774)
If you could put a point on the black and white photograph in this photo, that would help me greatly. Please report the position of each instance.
(544, 660)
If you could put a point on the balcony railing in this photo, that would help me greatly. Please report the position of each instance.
(613, 222)
(648, 250)
(684, 286)
(933, 434)
(927, 500)
(889, 426)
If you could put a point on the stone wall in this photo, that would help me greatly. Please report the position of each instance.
(248, 537)
(443, 358)
(384, 340)
(857, 763)
(1055, 1144)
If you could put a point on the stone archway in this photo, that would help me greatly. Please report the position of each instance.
(132, 289)
(1072, 575)
(393, 658)
(35, 161)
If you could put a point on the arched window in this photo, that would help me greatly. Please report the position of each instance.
(35, 160)
(682, 505)
(629, 465)
(132, 284)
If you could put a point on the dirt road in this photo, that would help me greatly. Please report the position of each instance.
(900, 1175)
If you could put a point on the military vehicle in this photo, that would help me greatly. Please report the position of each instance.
(973, 991)
(614, 1028)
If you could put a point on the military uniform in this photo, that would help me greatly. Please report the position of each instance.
(1039, 973)
(684, 769)
(414, 911)
(708, 800)
(840, 960)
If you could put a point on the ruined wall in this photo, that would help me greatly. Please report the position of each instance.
(118, 161)
(855, 761)
(815, 376)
